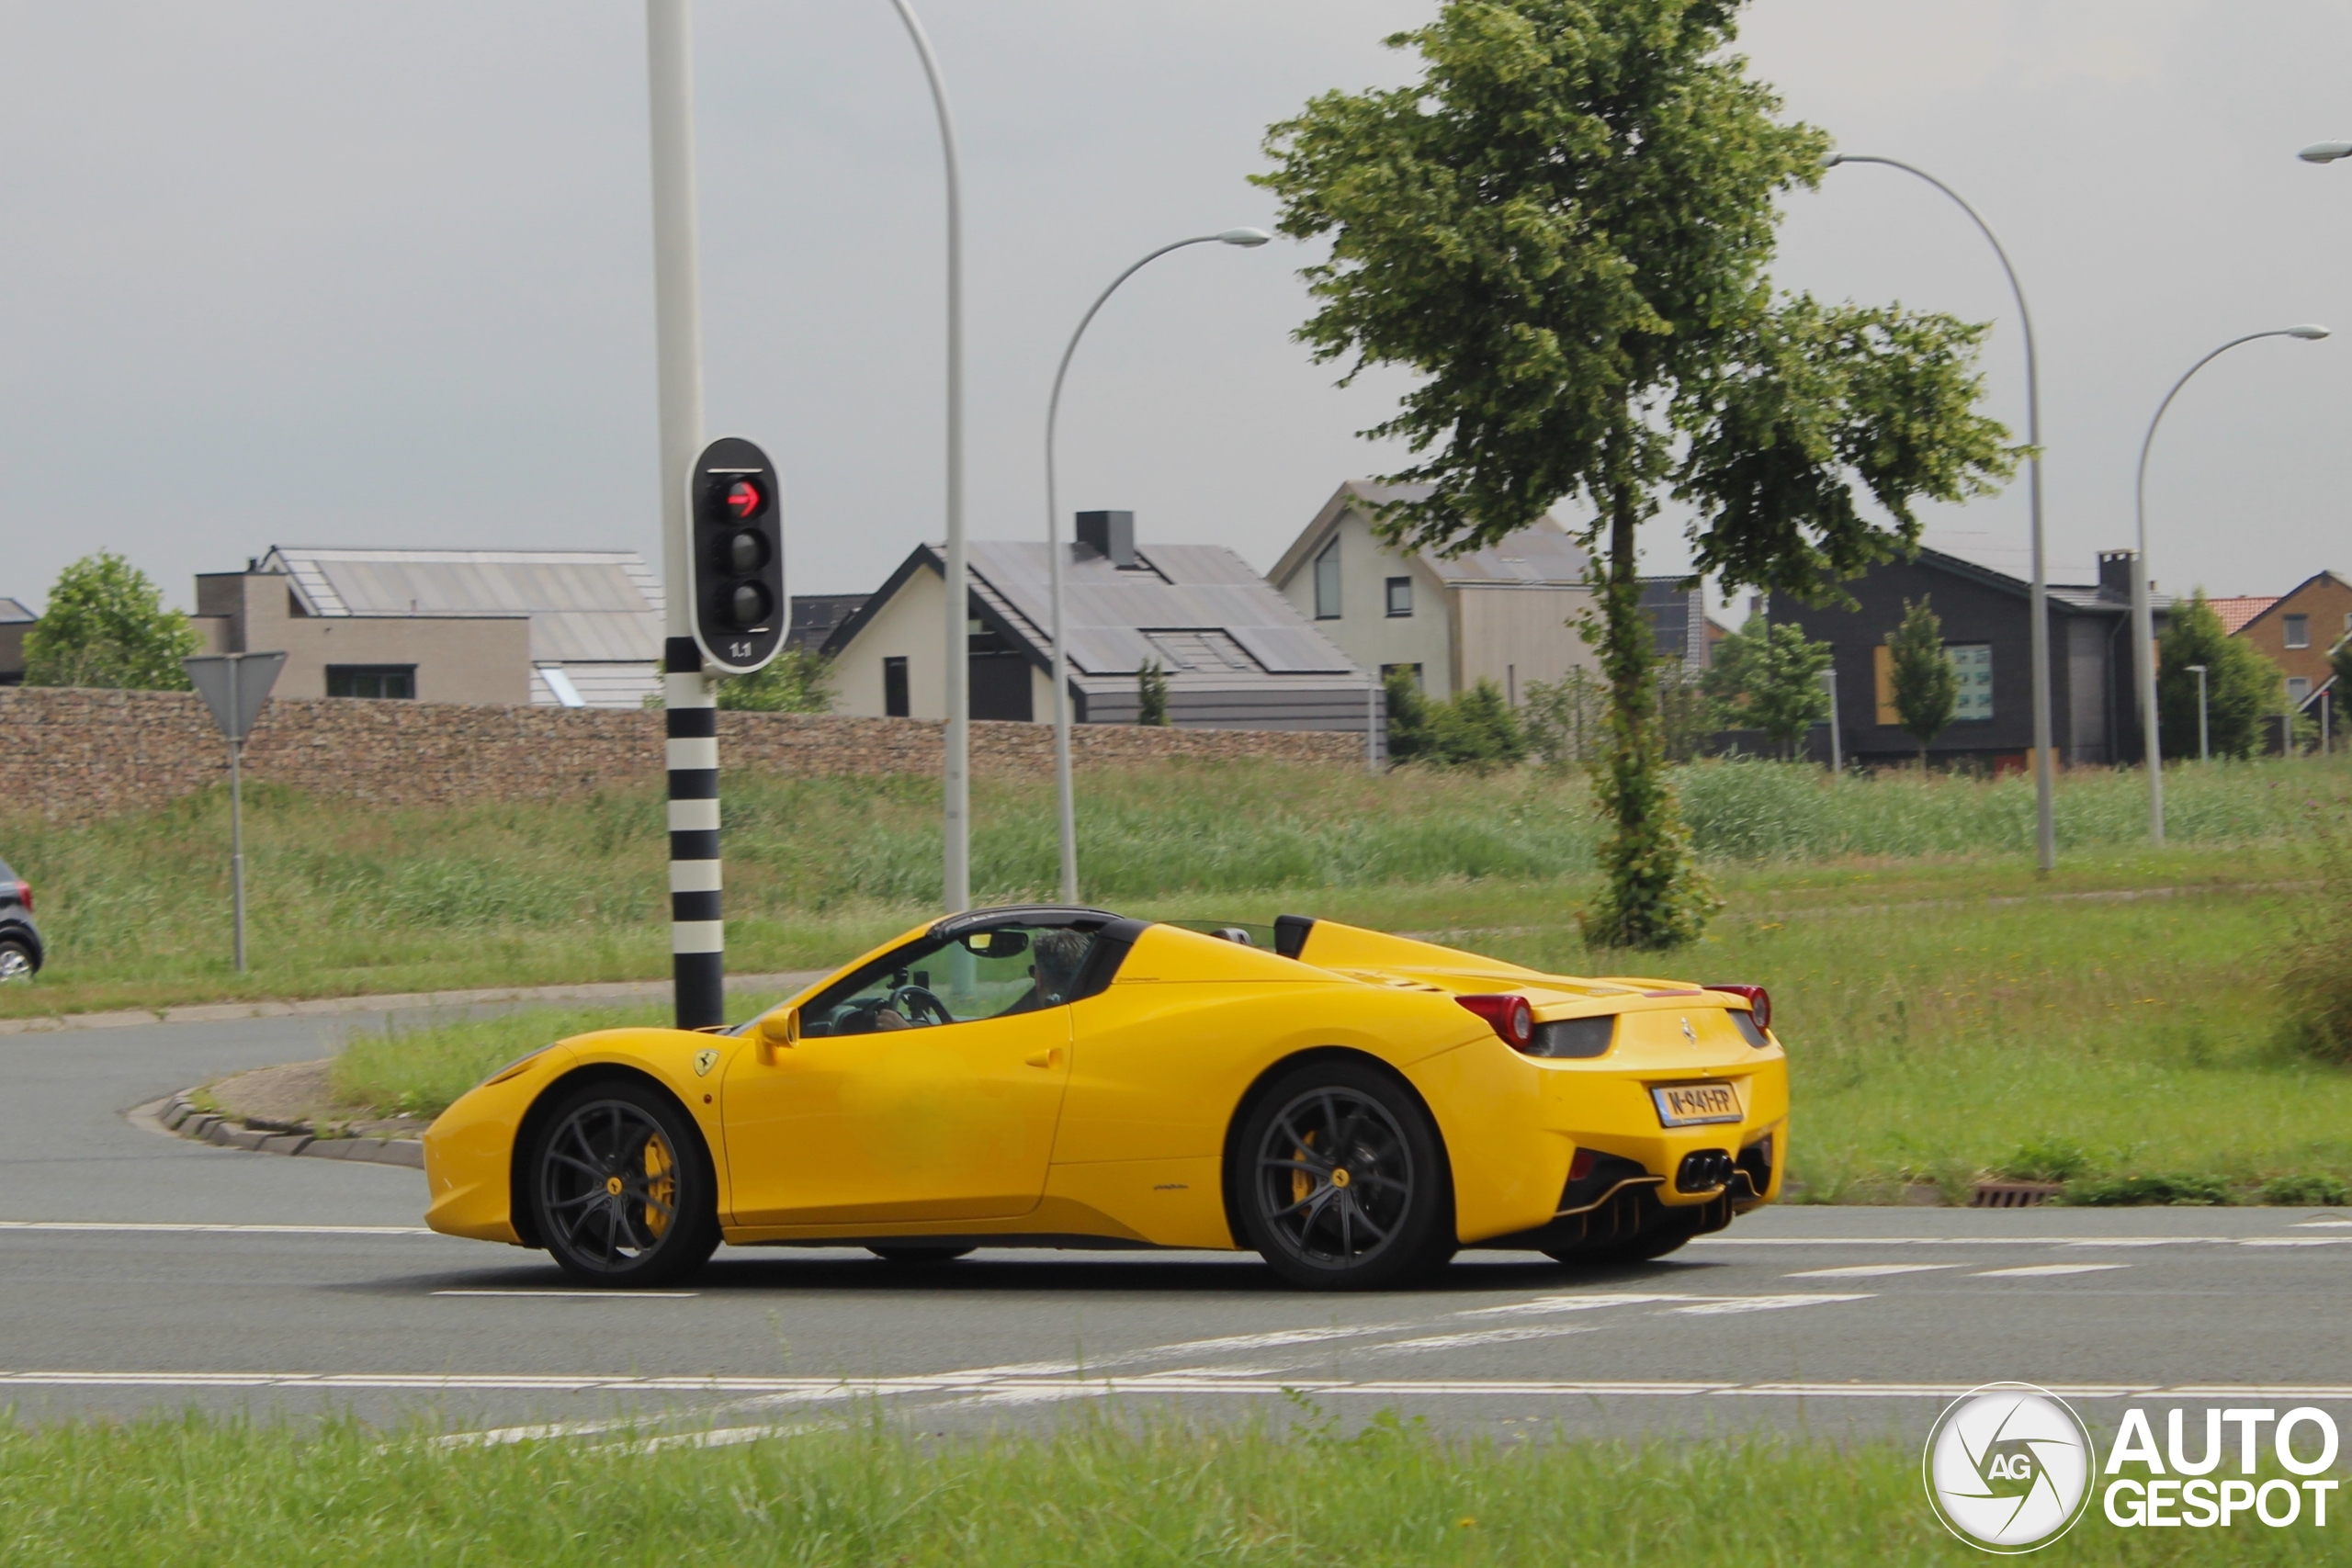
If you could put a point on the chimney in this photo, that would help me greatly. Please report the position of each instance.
(2115, 574)
(1112, 533)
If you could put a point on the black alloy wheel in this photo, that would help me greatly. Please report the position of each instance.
(918, 1254)
(622, 1188)
(1343, 1184)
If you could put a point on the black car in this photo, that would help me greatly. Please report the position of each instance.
(20, 951)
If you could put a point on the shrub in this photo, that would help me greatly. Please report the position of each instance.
(1476, 729)
(2315, 1192)
(2127, 1192)
(798, 680)
(1151, 695)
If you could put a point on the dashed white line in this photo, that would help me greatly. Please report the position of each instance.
(187, 1228)
(1868, 1271)
(2045, 1270)
(1727, 1305)
(1544, 1305)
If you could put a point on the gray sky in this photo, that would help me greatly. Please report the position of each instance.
(321, 272)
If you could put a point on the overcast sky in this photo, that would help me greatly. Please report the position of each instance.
(331, 273)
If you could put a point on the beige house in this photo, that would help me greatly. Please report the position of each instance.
(574, 628)
(1500, 614)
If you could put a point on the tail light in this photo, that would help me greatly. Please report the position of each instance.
(1759, 1001)
(25, 895)
(1513, 1020)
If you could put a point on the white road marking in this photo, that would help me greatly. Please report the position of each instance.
(1483, 1337)
(2046, 1270)
(1262, 1341)
(494, 1436)
(171, 1227)
(1758, 1303)
(951, 1383)
(1868, 1271)
(2297, 1241)
(583, 1295)
(2323, 1224)
(1544, 1305)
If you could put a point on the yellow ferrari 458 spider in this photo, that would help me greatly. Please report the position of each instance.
(1355, 1106)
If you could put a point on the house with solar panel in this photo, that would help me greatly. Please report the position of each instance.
(1236, 654)
(571, 628)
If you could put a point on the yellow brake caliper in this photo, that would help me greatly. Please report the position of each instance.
(660, 1184)
(1301, 1183)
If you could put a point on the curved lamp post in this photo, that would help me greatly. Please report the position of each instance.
(2143, 621)
(1065, 802)
(2045, 822)
(955, 761)
(2325, 152)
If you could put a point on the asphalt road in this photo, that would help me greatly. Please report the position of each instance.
(139, 1271)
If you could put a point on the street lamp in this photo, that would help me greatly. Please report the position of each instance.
(2204, 728)
(2325, 152)
(2144, 621)
(2038, 597)
(1065, 801)
(956, 748)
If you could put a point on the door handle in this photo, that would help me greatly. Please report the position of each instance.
(1049, 1058)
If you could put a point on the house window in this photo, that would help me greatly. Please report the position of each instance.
(1327, 583)
(372, 681)
(2298, 630)
(2298, 690)
(894, 688)
(1400, 596)
(1414, 670)
(1973, 664)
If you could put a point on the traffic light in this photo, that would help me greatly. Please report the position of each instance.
(740, 614)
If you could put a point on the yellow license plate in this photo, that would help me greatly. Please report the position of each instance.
(1695, 1104)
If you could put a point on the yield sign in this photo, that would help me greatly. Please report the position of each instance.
(235, 685)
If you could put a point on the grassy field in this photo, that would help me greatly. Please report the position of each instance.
(1098, 1494)
(348, 901)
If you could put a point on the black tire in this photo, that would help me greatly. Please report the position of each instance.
(919, 1255)
(1339, 1180)
(621, 1187)
(15, 960)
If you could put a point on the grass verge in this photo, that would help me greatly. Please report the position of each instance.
(1097, 1494)
(348, 900)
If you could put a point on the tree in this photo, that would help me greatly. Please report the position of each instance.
(1151, 695)
(1926, 686)
(798, 680)
(106, 626)
(1563, 231)
(1769, 676)
(2244, 690)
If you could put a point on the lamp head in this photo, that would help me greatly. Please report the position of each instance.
(1831, 160)
(2310, 331)
(2325, 152)
(2194, 669)
(1250, 237)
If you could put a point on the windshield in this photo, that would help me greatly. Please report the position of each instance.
(942, 980)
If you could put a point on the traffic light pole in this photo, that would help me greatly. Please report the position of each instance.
(697, 944)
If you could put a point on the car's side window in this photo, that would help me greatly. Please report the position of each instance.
(944, 980)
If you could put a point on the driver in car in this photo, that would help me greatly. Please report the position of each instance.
(1056, 956)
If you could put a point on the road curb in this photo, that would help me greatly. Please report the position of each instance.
(330, 1007)
(179, 1116)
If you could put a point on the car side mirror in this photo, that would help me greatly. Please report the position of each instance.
(778, 1032)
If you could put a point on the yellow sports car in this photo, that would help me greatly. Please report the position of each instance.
(1355, 1106)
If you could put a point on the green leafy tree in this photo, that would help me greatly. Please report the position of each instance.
(106, 626)
(1769, 676)
(1151, 695)
(798, 680)
(1563, 230)
(2244, 690)
(1926, 682)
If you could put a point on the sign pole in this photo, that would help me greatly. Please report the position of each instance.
(235, 694)
(236, 841)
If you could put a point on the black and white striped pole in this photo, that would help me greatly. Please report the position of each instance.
(697, 937)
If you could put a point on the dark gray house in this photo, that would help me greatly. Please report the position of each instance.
(1987, 625)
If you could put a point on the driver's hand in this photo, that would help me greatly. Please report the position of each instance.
(890, 1018)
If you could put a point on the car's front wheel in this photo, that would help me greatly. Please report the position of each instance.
(1341, 1182)
(622, 1187)
(15, 960)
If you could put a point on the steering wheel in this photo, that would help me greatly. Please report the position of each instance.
(912, 1002)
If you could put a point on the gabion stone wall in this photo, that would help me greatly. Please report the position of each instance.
(73, 755)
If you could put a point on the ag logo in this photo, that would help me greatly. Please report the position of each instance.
(704, 1060)
(2008, 1467)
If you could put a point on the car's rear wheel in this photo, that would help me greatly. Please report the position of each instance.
(15, 960)
(1343, 1183)
(622, 1188)
(918, 1254)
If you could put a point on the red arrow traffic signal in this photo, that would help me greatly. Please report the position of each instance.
(743, 499)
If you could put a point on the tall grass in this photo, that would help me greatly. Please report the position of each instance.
(344, 897)
(1097, 1494)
